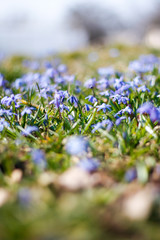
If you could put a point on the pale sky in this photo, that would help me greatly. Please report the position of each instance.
(46, 28)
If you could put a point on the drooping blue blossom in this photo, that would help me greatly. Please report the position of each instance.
(119, 120)
(90, 83)
(29, 129)
(104, 107)
(145, 108)
(119, 98)
(59, 97)
(124, 110)
(91, 99)
(3, 124)
(51, 72)
(73, 100)
(89, 164)
(71, 117)
(27, 110)
(12, 99)
(105, 93)
(102, 84)
(119, 82)
(77, 145)
(143, 89)
(88, 107)
(107, 124)
(3, 82)
(151, 110)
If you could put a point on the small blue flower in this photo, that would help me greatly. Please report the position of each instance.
(89, 164)
(29, 129)
(77, 145)
(103, 107)
(131, 174)
(3, 124)
(27, 110)
(119, 120)
(90, 83)
(73, 100)
(88, 107)
(145, 108)
(143, 89)
(91, 99)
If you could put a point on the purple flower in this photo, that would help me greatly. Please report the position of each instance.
(38, 158)
(3, 124)
(77, 145)
(102, 84)
(88, 107)
(70, 117)
(89, 164)
(62, 68)
(73, 100)
(123, 88)
(106, 93)
(91, 99)
(90, 83)
(153, 112)
(9, 100)
(145, 108)
(2, 81)
(103, 124)
(124, 110)
(59, 97)
(119, 120)
(51, 72)
(103, 107)
(29, 130)
(27, 110)
(131, 175)
(143, 89)
(155, 115)
(119, 83)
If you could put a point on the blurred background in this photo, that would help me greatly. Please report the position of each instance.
(39, 27)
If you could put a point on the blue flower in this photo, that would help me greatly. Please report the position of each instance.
(119, 120)
(29, 130)
(77, 145)
(108, 124)
(59, 97)
(88, 107)
(38, 158)
(90, 83)
(102, 84)
(12, 99)
(143, 89)
(103, 107)
(73, 100)
(131, 175)
(145, 108)
(91, 99)
(3, 124)
(89, 164)
(27, 110)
